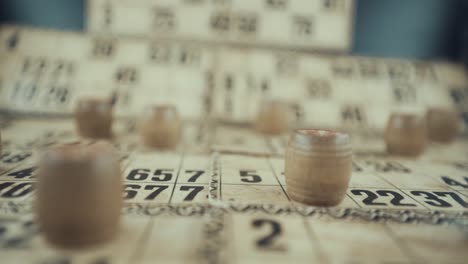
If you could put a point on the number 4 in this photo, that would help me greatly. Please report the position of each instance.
(23, 173)
(453, 182)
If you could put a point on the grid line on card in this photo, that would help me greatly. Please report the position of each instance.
(455, 190)
(397, 188)
(142, 243)
(246, 184)
(127, 163)
(312, 236)
(276, 177)
(284, 143)
(270, 144)
(450, 187)
(177, 176)
(401, 243)
(461, 193)
(352, 199)
(412, 188)
(232, 254)
(220, 180)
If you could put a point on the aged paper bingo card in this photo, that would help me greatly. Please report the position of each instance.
(221, 195)
(298, 24)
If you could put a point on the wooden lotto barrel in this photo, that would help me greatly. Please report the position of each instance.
(94, 117)
(161, 127)
(406, 134)
(442, 124)
(79, 195)
(272, 118)
(318, 166)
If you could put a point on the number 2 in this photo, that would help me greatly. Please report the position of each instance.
(267, 242)
(371, 197)
(397, 198)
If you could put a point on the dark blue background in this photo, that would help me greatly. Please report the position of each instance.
(390, 28)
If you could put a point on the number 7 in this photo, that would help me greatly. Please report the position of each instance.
(159, 189)
(454, 196)
(193, 193)
(195, 176)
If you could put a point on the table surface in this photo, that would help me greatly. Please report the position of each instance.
(221, 197)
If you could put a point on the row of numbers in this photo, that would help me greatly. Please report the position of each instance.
(253, 176)
(165, 175)
(161, 193)
(14, 158)
(383, 166)
(328, 5)
(368, 69)
(137, 175)
(44, 81)
(40, 65)
(434, 199)
(26, 91)
(247, 23)
(131, 193)
(164, 53)
(244, 23)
